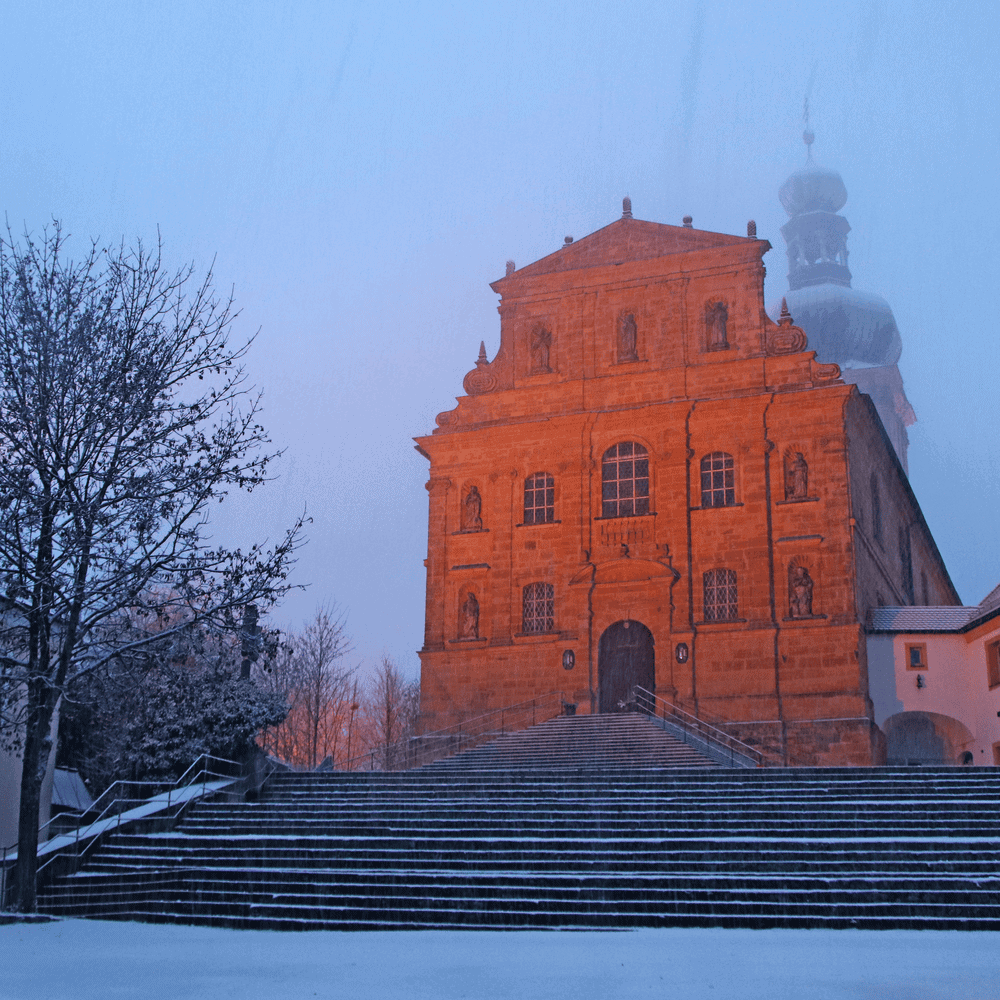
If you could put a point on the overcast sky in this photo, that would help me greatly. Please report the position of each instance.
(361, 171)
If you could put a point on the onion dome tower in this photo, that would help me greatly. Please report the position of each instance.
(853, 329)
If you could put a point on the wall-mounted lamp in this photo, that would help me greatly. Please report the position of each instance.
(681, 652)
(921, 683)
(568, 659)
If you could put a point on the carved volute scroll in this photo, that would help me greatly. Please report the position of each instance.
(824, 373)
(800, 591)
(468, 617)
(480, 380)
(796, 475)
(716, 320)
(472, 510)
(541, 346)
(627, 337)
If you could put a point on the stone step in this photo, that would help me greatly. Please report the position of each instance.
(422, 916)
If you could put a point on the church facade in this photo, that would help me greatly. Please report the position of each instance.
(652, 483)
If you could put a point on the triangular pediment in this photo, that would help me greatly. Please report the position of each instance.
(625, 240)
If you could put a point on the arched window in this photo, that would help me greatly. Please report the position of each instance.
(721, 599)
(718, 487)
(625, 480)
(539, 499)
(537, 608)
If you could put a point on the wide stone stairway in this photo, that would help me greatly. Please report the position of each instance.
(599, 741)
(568, 846)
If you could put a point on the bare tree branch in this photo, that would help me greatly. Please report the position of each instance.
(124, 414)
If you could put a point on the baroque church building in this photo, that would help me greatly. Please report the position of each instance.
(655, 484)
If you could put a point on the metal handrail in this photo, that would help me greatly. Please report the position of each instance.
(416, 751)
(730, 749)
(200, 770)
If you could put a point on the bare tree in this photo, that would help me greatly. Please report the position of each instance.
(124, 414)
(318, 689)
(393, 705)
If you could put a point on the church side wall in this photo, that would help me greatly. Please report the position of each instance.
(898, 563)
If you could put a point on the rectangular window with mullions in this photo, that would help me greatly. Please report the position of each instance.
(537, 608)
(718, 482)
(625, 480)
(721, 598)
(539, 499)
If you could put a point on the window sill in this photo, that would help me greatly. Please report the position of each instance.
(626, 517)
(723, 621)
(724, 506)
(472, 531)
(551, 636)
(805, 618)
(781, 503)
(480, 640)
(535, 524)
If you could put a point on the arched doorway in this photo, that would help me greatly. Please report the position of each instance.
(925, 738)
(624, 659)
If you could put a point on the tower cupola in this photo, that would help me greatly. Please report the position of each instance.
(853, 329)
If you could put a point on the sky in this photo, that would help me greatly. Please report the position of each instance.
(103, 960)
(357, 173)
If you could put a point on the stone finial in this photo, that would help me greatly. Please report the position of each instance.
(752, 229)
(626, 207)
(687, 222)
(510, 268)
(567, 240)
(481, 360)
(785, 319)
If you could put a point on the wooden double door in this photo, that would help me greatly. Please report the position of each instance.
(625, 658)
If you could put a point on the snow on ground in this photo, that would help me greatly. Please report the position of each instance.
(84, 959)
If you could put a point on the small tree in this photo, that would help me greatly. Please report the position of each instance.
(124, 413)
(318, 689)
(393, 705)
(151, 720)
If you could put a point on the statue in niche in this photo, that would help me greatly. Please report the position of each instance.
(716, 316)
(800, 592)
(468, 619)
(627, 338)
(796, 477)
(541, 344)
(472, 509)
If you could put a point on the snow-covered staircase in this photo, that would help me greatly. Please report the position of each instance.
(626, 739)
(613, 848)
